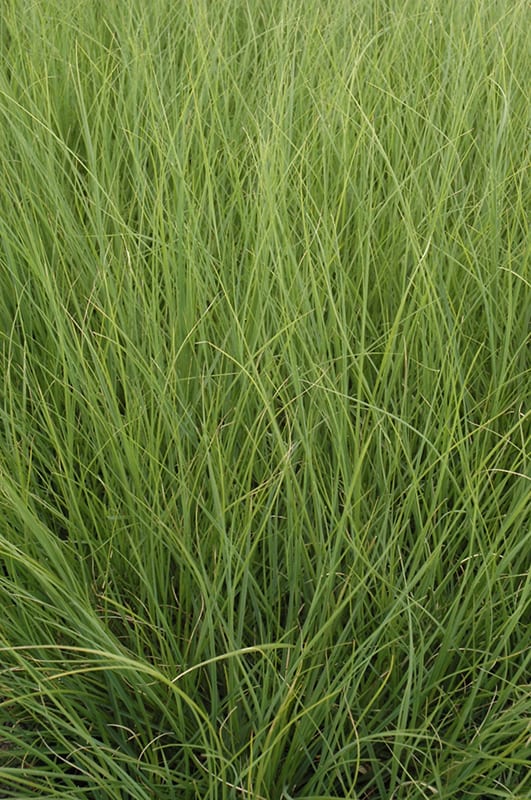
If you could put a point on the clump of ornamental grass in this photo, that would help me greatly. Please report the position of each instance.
(264, 424)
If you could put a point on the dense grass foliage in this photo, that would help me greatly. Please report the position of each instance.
(264, 415)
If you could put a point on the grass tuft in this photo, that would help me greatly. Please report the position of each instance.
(264, 422)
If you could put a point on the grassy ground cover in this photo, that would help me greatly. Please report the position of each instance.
(264, 416)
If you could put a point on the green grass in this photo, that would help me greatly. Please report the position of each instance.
(264, 422)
